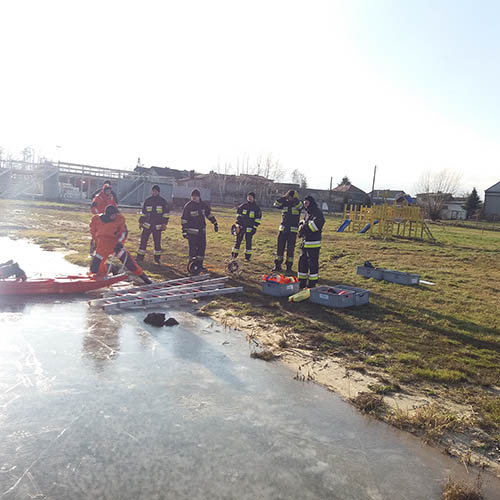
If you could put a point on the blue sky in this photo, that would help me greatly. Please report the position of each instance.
(328, 87)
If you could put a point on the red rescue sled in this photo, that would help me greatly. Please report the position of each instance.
(58, 285)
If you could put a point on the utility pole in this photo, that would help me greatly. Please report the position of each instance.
(373, 184)
(330, 196)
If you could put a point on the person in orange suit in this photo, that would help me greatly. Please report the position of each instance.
(109, 232)
(106, 196)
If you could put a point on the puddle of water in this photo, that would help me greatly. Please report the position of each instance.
(98, 406)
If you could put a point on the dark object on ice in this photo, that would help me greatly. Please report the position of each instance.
(11, 268)
(171, 322)
(369, 264)
(155, 319)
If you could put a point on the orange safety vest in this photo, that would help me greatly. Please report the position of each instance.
(279, 278)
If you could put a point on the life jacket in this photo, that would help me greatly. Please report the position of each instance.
(279, 278)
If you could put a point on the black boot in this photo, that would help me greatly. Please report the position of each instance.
(247, 257)
(312, 284)
(140, 257)
(289, 267)
(145, 278)
(234, 255)
(303, 284)
(277, 266)
(202, 268)
(157, 260)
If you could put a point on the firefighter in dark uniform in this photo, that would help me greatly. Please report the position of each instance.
(248, 218)
(194, 229)
(291, 207)
(310, 230)
(154, 220)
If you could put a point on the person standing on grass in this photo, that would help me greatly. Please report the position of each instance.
(109, 232)
(291, 207)
(248, 218)
(310, 230)
(100, 200)
(154, 220)
(104, 197)
(194, 229)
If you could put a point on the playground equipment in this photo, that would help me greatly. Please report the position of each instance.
(386, 220)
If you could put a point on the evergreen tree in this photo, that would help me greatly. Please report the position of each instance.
(472, 203)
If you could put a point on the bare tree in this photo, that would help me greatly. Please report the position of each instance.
(221, 177)
(28, 154)
(435, 189)
(299, 178)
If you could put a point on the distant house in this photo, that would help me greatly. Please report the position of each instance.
(350, 194)
(381, 196)
(492, 201)
(454, 209)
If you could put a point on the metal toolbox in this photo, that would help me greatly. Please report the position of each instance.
(332, 296)
(279, 289)
(400, 277)
(370, 272)
(361, 296)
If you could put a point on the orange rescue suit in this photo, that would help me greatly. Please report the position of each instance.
(106, 236)
(101, 201)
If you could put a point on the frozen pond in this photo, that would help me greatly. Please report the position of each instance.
(107, 407)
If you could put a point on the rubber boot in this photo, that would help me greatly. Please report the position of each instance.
(312, 284)
(277, 266)
(145, 278)
(202, 268)
(157, 260)
(247, 257)
(234, 255)
(140, 257)
(289, 266)
(303, 284)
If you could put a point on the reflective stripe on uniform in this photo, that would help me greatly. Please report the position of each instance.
(141, 251)
(158, 252)
(98, 256)
(312, 226)
(294, 229)
(251, 215)
(121, 239)
(312, 244)
(249, 229)
(258, 221)
(235, 250)
(149, 209)
(159, 209)
(184, 221)
(248, 252)
(166, 216)
(302, 276)
(158, 227)
(191, 230)
(147, 225)
(313, 277)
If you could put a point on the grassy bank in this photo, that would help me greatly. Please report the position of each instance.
(442, 340)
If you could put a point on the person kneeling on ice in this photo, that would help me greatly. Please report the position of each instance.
(247, 221)
(11, 268)
(310, 230)
(109, 232)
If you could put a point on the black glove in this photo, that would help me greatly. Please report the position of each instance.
(253, 231)
(118, 247)
(216, 227)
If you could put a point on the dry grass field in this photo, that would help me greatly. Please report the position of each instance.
(440, 341)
